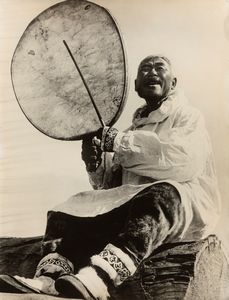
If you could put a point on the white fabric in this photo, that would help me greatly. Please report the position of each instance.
(170, 145)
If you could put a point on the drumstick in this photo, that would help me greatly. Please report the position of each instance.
(85, 84)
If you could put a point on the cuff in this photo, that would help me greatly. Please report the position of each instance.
(108, 137)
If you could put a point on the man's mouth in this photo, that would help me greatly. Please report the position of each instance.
(152, 82)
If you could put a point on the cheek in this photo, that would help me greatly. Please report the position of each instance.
(167, 82)
(144, 74)
(140, 81)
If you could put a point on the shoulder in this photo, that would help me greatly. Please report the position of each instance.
(187, 114)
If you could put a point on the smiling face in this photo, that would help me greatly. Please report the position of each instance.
(154, 80)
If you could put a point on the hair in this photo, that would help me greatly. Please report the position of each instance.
(158, 56)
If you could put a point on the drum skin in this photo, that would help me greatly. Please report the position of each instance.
(46, 82)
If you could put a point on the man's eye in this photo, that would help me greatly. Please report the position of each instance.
(160, 68)
(145, 69)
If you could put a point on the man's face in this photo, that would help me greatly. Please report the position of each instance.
(154, 80)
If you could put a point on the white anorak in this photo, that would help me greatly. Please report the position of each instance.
(170, 145)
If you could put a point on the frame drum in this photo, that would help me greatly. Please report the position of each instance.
(46, 82)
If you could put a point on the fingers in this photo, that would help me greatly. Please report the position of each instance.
(91, 141)
(91, 152)
(96, 141)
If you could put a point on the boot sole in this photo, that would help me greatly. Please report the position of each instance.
(70, 286)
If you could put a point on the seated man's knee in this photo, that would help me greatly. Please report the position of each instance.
(162, 202)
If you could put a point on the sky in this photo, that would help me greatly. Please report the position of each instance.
(37, 172)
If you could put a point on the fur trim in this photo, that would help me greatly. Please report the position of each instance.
(98, 261)
(93, 283)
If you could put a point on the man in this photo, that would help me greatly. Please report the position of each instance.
(153, 183)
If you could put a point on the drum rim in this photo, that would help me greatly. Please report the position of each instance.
(125, 80)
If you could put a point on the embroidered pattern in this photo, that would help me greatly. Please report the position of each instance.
(115, 263)
(109, 139)
(58, 262)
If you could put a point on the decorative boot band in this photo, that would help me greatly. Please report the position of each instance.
(117, 264)
(54, 263)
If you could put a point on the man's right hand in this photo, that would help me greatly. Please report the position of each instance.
(91, 153)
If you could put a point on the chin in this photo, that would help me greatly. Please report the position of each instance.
(150, 94)
(152, 98)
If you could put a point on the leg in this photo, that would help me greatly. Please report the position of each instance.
(154, 216)
(67, 246)
(73, 237)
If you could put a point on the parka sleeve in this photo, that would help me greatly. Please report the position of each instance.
(178, 154)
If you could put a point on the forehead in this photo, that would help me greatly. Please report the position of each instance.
(154, 60)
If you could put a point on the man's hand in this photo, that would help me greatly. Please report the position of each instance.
(93, 146)
(91, 153)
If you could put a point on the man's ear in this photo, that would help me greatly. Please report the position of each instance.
(174, 83)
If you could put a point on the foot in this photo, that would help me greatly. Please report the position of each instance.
(17, 284)
(70, 286)
(87, 283)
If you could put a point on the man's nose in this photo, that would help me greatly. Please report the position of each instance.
(153, 71)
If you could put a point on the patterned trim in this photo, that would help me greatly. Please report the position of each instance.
(124, 257)
(59, 261)
(115, 262)
(104, 133)
(108, 137)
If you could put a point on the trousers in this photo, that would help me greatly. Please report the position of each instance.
(138, 227)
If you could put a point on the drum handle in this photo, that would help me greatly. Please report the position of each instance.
(85, 84)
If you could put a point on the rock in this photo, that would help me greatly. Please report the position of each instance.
(20, 256)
